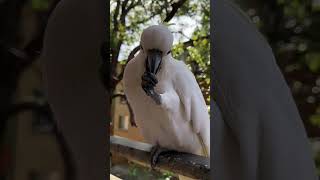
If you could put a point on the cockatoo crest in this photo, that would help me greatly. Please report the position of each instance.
(157, 37)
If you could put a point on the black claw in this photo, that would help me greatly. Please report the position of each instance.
(149, 79)
(156, 151)
(153, 163)
(153, 77)
(148, 82)
(147, 90)
(154, 157)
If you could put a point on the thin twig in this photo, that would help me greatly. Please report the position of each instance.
(175, 7)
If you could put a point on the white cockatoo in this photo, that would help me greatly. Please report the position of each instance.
(165, 98)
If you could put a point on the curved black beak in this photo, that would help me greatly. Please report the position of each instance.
(154, 58)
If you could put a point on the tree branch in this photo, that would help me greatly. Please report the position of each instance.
(131, 56)
(123, 15)
(190, 165)
(123, 7)
(115, 16)
(132, 121)
(125, 10)
(175, 7)
(191, 41)
(115, 53)
(132, 53)
(132, 5)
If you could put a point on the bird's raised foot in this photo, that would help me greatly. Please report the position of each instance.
(149, 81)
(156, 151)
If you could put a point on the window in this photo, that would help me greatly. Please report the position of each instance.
(123, 123)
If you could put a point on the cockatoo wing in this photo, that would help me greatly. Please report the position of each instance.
(130, 77)
(195, 108)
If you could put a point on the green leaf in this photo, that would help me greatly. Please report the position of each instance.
(315, 120)
(313, 61)
(40, 4)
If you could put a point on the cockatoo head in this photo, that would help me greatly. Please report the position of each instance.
(156, 42)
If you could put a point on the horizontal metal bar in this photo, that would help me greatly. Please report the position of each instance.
(185, 164)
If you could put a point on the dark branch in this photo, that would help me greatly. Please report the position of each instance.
(131, 56)
(132, 53)
(186, 164)
(115, 53)
(125, 11)
(115, 16)
(123, 7)
(191, 41)
(175, 7)
(132, 121)
(132, 5)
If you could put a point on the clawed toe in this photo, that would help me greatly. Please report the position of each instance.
(156, 151)
(154, 156)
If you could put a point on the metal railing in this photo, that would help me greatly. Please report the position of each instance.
(185, 164)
